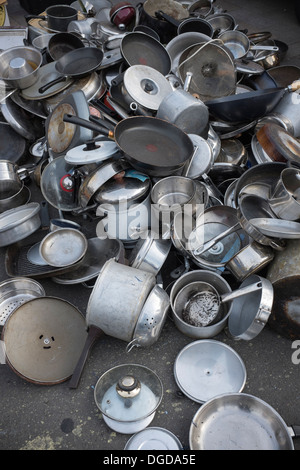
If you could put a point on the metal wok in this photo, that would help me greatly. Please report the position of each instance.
(151, 145)
(249, 106)
(76, 64)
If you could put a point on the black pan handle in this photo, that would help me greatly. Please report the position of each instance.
(163, 16)
(44, 88)
(93, 334)
(87, 124)
(31, 17)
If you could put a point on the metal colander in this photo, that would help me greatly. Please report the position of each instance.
(15, 292)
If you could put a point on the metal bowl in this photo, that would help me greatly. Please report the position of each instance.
(63, 247)
(19, 66)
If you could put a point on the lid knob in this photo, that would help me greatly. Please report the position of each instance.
(128, 387)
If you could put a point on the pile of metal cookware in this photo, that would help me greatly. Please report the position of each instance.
(151, 154)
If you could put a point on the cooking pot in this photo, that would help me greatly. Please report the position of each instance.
(219, 283)
(287, 110)
(187, 25)
(221, 22)
(185, 111)
(122, 14)
(150, 252)
(179, 43)
(256, 425)
(285, 200)
(57, 16)
(251, 259)
(128, 396)
(239, 44)
(19, 66)
(19, 223)
(165, 30)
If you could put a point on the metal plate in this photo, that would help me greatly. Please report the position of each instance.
(207, 368)
(153, 438)
(43, 340)
(277, 227)
(63, 247)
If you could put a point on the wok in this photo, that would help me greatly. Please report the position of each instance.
(151, 145)
(248, 106)
(76, 64)
(238, 421)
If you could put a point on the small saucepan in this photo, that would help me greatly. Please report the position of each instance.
(58, 17)
(239, 44)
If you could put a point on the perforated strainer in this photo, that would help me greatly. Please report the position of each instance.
(151, 319)
(15, 292)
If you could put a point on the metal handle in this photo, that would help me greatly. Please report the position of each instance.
(206, 246)
(240, 292)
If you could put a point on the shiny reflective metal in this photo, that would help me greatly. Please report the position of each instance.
(207, 368)
(63, 247)
(150, 252)
(19, 66)
(249, 260)
(271, 227)
(285, 200)
(19, 222)
(250, 314)
(151, 319)
(153, 438)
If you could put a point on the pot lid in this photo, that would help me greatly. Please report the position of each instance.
(92, 152)
(57, 185)
(125, 187)
(213, 71)
(206, 368)
(153, 438)
(146, 86)
(32, 106)
(45, 74)
(53, 335)
(19, 119)
(13, 217)
(249, 314)
(62, 135)
(128, 392)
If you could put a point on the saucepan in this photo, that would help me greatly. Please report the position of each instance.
(199, 25)
(58, 17)
(256, 425)
(285, 200)
(151, 145)
(239, 44)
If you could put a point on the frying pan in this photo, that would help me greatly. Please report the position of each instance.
(61, 43)
(248, 106)
(151, 145)
(239, 421)
(141, 49)
(76, 64)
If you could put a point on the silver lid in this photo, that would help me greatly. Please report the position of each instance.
(153, 438)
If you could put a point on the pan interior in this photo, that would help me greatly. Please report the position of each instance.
(156, 144)
(79, 61)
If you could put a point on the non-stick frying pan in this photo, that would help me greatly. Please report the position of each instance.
(249, 106)
(151, 145)
(61, 43)
(76, 64)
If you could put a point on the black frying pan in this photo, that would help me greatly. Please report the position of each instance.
(76, 64)
(244, 107)
(151, 145)
(62, 43)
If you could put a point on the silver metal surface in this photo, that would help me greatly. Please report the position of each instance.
(151, 319)
(19, 223)
(285, 200)
(63, 247)
(273, 227)
(249, 260)
(150, 252)
(206, 368)
(238, 422)
(249, 315)
(21, 74)
(153, 438)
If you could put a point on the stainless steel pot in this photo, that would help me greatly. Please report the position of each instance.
(185, 111)
(250, 260)
(18, 223)
(222, 287)
(150, 252)
(285, 200)
(117, 281)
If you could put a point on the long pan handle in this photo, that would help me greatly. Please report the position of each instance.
(87, 124)
(93, 334)
(46, 87)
